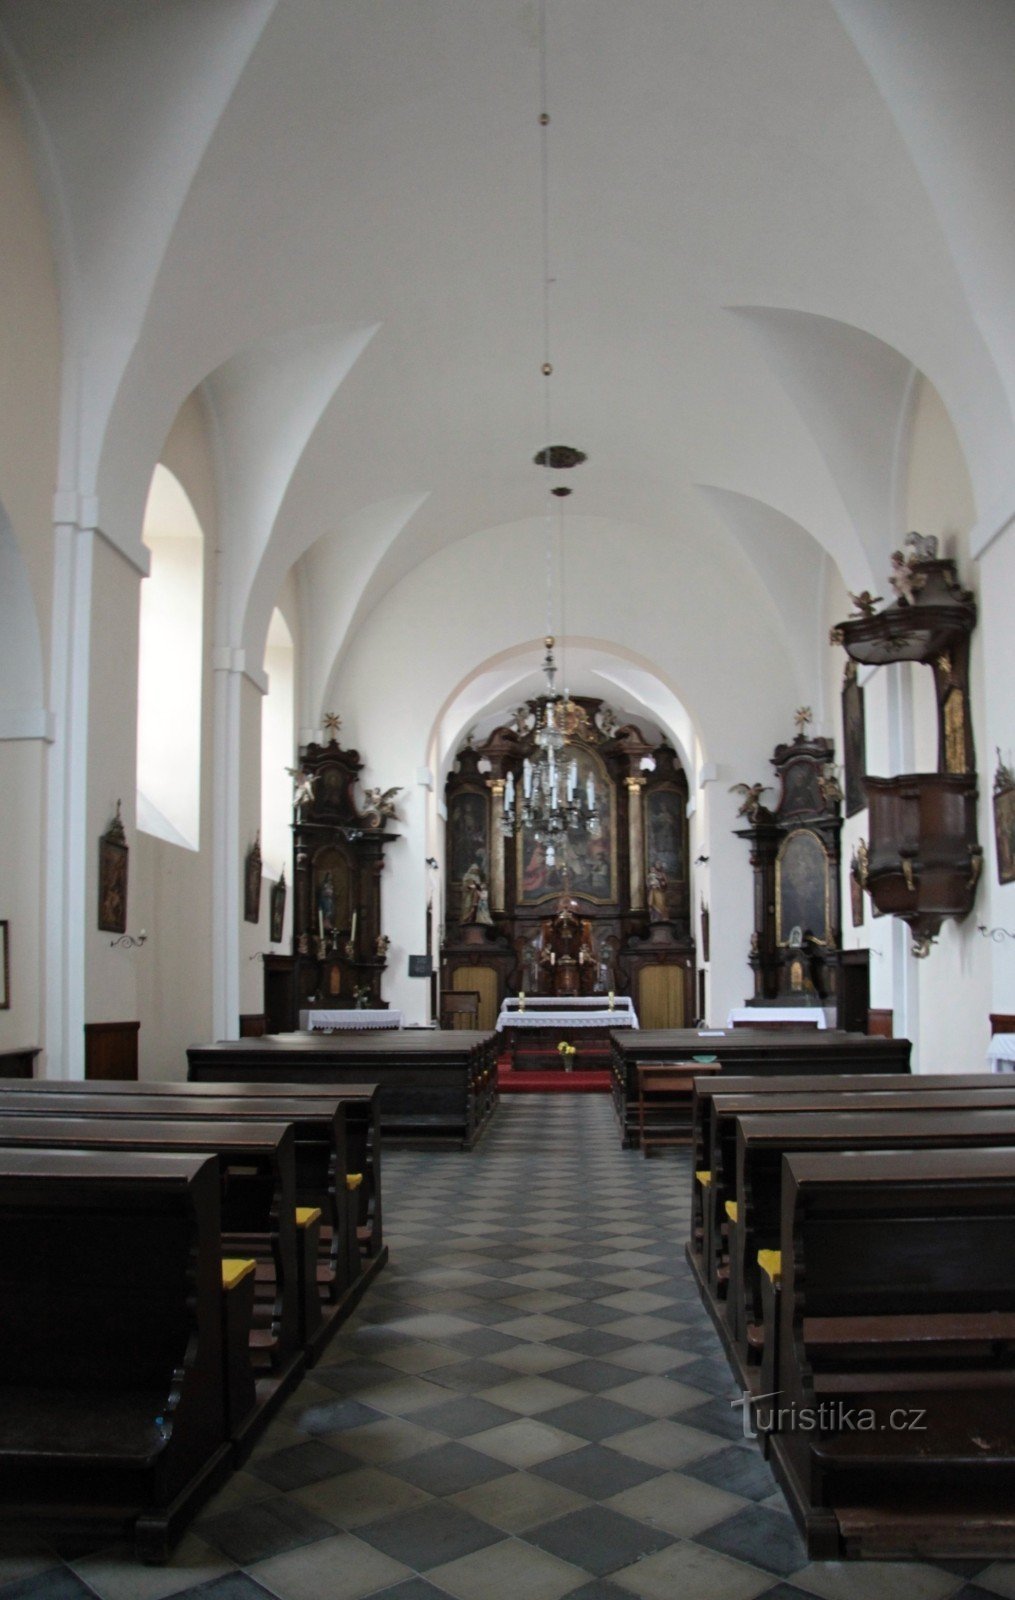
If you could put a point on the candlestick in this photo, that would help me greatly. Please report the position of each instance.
(352, 930)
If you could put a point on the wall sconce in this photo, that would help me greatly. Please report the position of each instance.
(127, 941)
(431, 861)
(999, 935)
(699, 860)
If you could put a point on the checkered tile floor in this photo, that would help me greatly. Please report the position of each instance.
(531, 1403)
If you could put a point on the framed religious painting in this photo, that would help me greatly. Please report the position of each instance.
(585, 862)
(278, 908)
(1004, 821)
(252, 883)
(113, 857)
(665, 863)
(802, 889)
(854, 742)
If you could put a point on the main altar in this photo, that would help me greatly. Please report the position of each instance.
(606, 912)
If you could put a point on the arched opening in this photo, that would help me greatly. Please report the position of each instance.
(277, 749)
(169, 667)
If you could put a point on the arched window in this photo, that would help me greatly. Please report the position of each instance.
(277, 749)
(169, 667)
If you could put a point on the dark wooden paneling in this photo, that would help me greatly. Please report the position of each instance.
(111, 1049)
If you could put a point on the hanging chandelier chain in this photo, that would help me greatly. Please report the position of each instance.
(547, 367)
(553, 802)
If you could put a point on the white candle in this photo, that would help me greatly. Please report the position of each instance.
(590, 791)
(320, 923)
(527, 778)
(509, 792)
(352, 931)
(572, 779)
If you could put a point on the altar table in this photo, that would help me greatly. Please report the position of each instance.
(318, 1021)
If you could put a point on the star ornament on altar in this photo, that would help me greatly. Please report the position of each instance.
(332, 723)
(802, 717)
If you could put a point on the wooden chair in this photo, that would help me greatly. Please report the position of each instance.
(460, 1008)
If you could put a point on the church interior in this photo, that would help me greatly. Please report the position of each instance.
(505, 519)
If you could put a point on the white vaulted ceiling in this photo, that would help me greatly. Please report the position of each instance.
(327, 213)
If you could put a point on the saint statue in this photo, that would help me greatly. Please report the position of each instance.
(658, 894)
(475, 903)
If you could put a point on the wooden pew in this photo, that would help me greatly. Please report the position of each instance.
(112, 1420)
(663, 1105)
(258, 1214)
(438, 1089)
(763, 1140)
(358, 1152)
(724, 1110)
(342, 1271)
(899, 1301)
(757, 1051)
(787, 1083)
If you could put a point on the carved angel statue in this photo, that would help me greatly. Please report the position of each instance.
(865, 603)
(380, 805)
(829, 787)
(521, 720)
(606, 717)
(920, 547)
(904, 580)
(303, 786)
(752, 793)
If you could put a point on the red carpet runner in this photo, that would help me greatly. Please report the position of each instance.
(550, 1082)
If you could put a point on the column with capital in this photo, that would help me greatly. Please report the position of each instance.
(636, 842)
(496, 786)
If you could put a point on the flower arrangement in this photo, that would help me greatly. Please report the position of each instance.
(361, 996)
(567, 1053)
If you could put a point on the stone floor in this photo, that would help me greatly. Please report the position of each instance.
(531, 1403)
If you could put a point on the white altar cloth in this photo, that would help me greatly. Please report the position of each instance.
(757, 1014)
(568, 1011)
(320, 1021)
(1001, 1052)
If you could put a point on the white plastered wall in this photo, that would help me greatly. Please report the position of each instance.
(29, 399)
(465, 604)
(171, 892)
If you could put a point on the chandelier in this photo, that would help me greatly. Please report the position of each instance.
(552, 802)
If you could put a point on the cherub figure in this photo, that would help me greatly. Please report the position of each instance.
(304, 784)
(865, 603)
(752, 793)
(904, 580)
(380, 805)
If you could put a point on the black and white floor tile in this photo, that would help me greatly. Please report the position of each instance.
(530, 1403)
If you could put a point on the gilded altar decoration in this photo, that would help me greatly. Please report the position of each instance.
(953, 715)
(751, 802)
(113, 858)
(380, 805)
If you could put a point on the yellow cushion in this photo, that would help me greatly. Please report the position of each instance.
(704, 1178)
(305, 1215)
(234, 1270)
(731, 1210)
(353, 1180)
(770, 1262)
